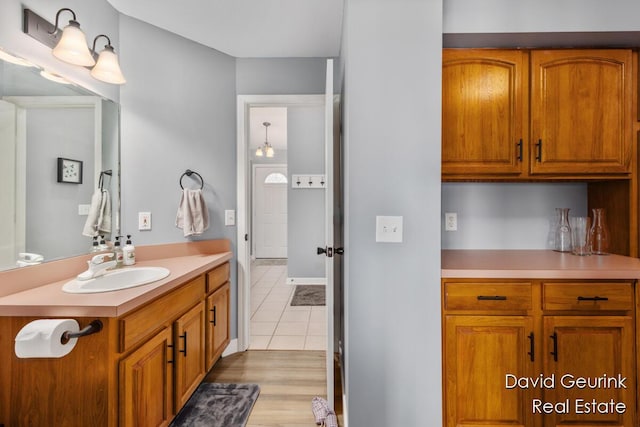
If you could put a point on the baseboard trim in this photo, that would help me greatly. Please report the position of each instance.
(231, 348)
(306, 281)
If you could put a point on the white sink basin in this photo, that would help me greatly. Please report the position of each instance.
(116, 280)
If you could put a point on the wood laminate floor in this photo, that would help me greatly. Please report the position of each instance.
(288, 381)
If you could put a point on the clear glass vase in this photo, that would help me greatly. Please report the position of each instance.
(563, 231)
(599, 233)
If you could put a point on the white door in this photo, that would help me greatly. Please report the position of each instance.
(329, 270)
(8, 244)
(270, 211)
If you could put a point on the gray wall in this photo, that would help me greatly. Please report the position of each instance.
(111, 157)
(177, 114)
(392, 102)
(281, 76)
(53, 226)
(306, 209)
(508, 215)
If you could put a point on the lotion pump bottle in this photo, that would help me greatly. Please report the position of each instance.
(118, 251)
(94, 246)
(129, 252)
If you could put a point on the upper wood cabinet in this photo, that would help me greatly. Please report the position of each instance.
(539, 114)
(484, 111)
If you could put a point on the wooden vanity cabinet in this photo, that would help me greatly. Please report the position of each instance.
(537, 114)
(577, 328)
(217, 324)
(189, 351)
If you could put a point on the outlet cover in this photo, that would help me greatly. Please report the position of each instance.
(229, 217)
(144, 221)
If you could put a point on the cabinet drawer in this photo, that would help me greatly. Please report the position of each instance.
(582, 296)
(488, 296)
(217, 277)
(145, 321)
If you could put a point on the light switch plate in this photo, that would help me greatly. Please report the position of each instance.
(389, 229)
(229, 217)
(144, 221)
(83, 209)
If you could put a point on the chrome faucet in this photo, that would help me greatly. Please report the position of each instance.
(98, 266)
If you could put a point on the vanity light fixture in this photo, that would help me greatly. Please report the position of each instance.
(72, 47)
(267, 149)
(107, 69)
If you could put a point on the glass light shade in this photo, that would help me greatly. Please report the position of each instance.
(72, 47)
(107, 68)
(259, 152)
(270, 151)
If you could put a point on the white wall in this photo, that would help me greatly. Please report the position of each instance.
(392, 101)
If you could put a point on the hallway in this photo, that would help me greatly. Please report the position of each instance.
(275, 325)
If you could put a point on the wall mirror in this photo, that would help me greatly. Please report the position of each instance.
(59, 144)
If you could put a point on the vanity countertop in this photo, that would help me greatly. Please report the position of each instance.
(48, 299)
(536, 264)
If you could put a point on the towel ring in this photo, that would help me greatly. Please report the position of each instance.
(102, 174)
(189, 172)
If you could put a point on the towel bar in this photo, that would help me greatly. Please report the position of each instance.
(189, 172)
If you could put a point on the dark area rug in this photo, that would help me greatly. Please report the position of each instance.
(308, 295)
(218, 405)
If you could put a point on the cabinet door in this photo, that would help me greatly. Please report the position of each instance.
(146, 383)
(581, 110)
(589, 347)
(217, 324)
(189, 353)
(479, 353)
(484, 112)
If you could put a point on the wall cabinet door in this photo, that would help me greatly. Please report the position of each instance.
(484, 112)
(146, 383)
(479, 353)
(217, 326)
(589, 347)
(189, 353)
(581, 111)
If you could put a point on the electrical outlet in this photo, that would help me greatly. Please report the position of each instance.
(144, 221)
(451, 221)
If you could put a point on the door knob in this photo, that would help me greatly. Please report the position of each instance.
(327, 251)
(321, 251)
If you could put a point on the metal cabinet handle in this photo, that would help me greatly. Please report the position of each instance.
(213, 310)
(531, 352)
(184, 337)
(554, 353)
(596, 298)
(170, 346)
(519, 146)
(491, 298)
(539, 150)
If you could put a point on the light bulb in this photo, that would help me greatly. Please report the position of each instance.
(270, 151)
(259, 152)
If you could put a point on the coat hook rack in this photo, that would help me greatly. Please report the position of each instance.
(188, 173)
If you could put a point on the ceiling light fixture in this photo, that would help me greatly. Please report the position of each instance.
(72, 47)
(267, 149)
(107, 69)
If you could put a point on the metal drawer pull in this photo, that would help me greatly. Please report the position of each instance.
(539, 151)
(531, 347)
(519, 146)
(492, 298)
(184, 337)
(213, 310)
(171, 347)
(596, 298)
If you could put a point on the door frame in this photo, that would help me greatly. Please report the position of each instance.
(244, 240)
(252, 225)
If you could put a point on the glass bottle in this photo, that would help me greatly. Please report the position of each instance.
(563, 231)
(599, 234)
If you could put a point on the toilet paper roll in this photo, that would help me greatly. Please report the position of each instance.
(43, 338)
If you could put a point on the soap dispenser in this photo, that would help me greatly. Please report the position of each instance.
(117, 249)
(103, 245)
(95, 247)
(129, 252)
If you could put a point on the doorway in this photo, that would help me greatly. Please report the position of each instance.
(269, 203)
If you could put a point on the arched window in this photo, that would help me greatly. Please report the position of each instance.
(275, 178)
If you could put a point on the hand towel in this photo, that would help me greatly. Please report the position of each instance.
(192, 216)
(99, 218)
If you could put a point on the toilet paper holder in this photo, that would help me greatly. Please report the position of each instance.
(91, 328)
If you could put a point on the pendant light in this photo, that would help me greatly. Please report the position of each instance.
(72, 47)
(267, 149)
(107, 69)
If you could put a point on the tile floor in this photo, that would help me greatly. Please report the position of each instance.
(275, 325)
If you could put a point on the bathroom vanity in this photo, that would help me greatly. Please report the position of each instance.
(157, 343)
(525, 331)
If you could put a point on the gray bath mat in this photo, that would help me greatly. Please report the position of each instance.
(308, 295)
(218, 405)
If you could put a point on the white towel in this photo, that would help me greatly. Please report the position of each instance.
(99, 218)
(192, 216)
